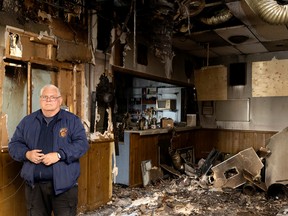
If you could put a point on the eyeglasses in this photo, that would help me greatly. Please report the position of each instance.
(51, 98)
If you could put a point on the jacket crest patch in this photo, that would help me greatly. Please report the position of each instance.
(63, 132)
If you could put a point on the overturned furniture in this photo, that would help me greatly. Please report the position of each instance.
(276, 177)
(229, 173)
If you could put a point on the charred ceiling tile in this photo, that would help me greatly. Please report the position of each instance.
(229, 173)
(276, 162)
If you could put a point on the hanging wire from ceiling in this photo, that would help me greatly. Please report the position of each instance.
(134, 35)
(124, 26)
(189, 8)
(186, 10)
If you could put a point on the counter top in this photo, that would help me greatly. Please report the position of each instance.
(160, 130)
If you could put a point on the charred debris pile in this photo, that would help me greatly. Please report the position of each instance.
(248, 170)
(247, 183)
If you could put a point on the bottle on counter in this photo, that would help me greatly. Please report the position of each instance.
(142, 123)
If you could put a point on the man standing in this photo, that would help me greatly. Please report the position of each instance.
(50, 142)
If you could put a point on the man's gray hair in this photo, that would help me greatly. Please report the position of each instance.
(50, 86)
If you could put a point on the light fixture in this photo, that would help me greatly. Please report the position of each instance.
(238, 39)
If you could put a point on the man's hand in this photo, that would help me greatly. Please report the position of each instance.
(35, 156)
(50, 158)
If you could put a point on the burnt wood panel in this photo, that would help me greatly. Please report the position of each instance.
(154, 148)
(12, 197)
(228, 141)
(269, 78)
(211, 83)
(80, 93)
(83, 183)
(99, 181)
(141, 148)
(204, 142)
(65, 83)
(184, 139)
(95, 182)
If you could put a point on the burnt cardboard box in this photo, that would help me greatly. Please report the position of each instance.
(167, 123)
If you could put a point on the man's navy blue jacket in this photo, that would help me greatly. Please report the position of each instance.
(69, 139)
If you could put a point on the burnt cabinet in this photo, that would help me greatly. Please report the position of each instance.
(132, 152)
(95, 181)
(144, 145)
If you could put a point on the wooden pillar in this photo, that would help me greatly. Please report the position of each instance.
(29, 88)
(74, 97)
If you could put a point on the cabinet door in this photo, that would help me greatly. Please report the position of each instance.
(99, 178)
(141, 148)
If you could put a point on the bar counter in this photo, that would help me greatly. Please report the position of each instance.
(142, 145)
(161, 130)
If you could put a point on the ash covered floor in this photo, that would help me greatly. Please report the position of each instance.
(187, 196)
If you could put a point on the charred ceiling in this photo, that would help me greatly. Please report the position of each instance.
(64, 19)
(220, 27)
(28, 10)
(202, 27)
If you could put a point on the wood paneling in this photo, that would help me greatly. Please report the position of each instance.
(12, 199)
(183, 139)
(228, 141)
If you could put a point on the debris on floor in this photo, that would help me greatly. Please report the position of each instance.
(248, 183)
(229, 173)
(185, 196)
(192, 190)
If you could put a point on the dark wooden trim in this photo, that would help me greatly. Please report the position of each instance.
(117, 69)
